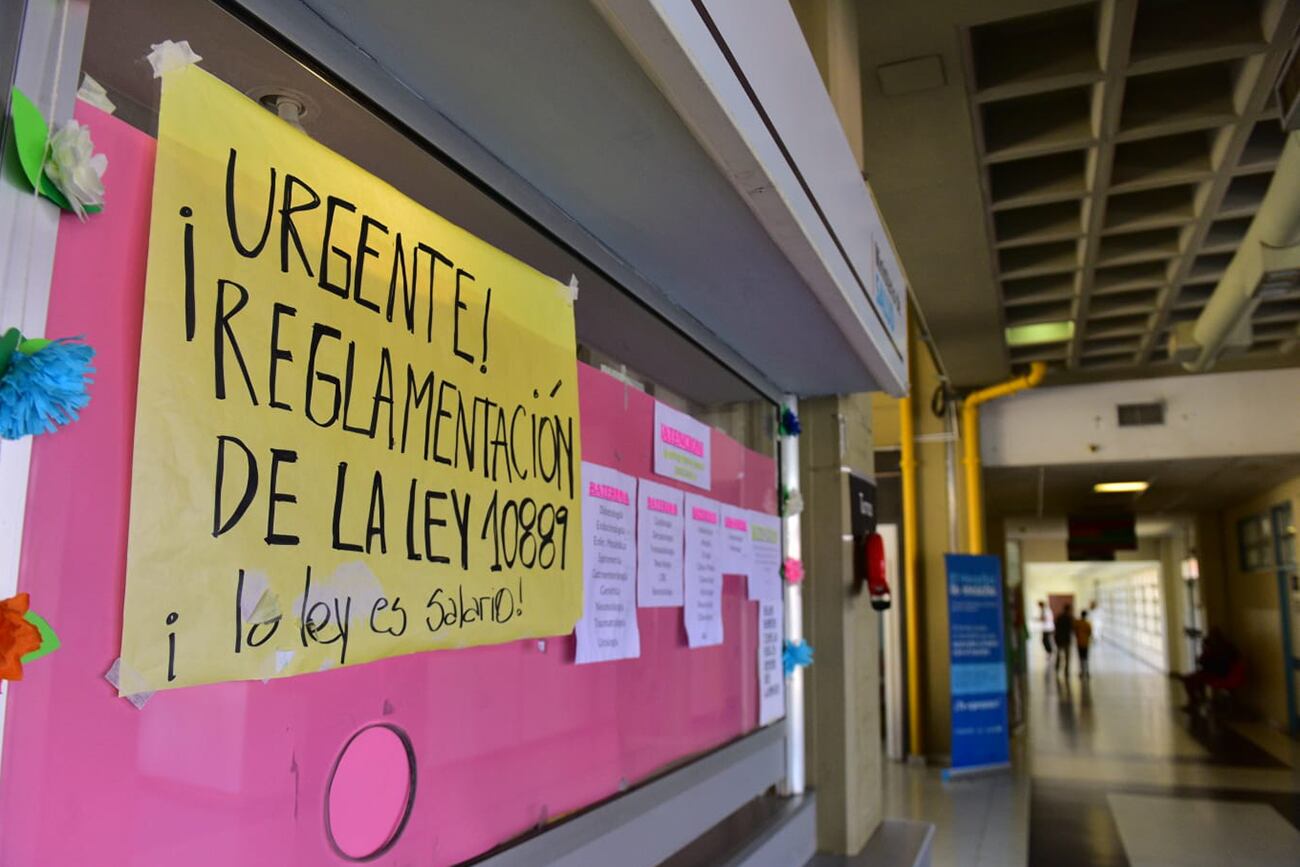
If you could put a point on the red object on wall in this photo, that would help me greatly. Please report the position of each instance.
(877, 580)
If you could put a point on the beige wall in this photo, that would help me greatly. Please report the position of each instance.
(1213, 564)
(884, 420)
(1250, 613)
(831, 29)
(932, 533)
(932, 537)
(1173, 551)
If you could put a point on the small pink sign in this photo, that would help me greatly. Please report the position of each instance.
(684, 441)
(706, 515)
(609, 492)
(682, 447)
(655, 504)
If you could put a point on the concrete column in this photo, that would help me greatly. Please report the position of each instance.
(843, 685)
(1172, 552)
(1211, 554)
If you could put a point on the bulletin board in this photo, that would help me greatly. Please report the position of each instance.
(505, 739)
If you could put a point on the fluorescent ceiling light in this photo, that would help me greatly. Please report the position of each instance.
(1039, 332)
(1120, 487)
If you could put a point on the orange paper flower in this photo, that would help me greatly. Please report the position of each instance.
(18, 637)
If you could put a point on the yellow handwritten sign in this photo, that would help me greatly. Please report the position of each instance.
(357, 432)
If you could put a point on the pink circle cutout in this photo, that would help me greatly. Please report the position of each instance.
(370, 792)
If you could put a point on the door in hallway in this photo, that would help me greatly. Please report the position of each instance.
(1058, 601)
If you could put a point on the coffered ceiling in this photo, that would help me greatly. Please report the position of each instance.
(1092, 163)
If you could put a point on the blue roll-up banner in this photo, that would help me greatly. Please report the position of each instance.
(980, 740)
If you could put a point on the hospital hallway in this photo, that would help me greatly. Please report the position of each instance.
(1109, 772)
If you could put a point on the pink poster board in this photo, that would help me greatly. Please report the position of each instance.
(503, 738)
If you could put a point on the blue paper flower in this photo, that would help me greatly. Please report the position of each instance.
(790, 423)
(45, 389)
(796, 654)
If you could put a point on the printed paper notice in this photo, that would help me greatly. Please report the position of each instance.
(765, 555)
(771, 673)
(703, 611)
(607, 629)
(659, 545)
(357, 427)
(737, 549)
(682, 447)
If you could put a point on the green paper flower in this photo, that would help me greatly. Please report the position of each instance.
(64, 168)
(49, 639)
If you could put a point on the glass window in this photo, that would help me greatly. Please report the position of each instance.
(615, 332)
(1284, 523)
(1255, 542)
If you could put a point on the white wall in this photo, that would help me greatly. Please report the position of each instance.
(1210, 415)
(1132, 611)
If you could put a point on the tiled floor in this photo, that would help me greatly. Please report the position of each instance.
(1110, 774)
(1201, 832)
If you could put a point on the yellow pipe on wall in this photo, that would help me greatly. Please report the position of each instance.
(970, 433)
(907, 469)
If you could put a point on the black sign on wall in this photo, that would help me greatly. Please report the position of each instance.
(862, 506)
(1099, 536)
(862, 521)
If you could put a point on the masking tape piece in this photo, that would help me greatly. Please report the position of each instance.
(167, 56)
(128, 684)
(93, 93)
(282, 659)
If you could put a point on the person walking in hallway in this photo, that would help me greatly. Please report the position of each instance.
(1064, 639)
(1047, 626)
(1083, 640)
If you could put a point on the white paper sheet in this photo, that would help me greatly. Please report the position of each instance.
(771, 674)
(659, 542)
(765, 556)
(703, 590)
(683, 450)
(607, 629)
(737, 548)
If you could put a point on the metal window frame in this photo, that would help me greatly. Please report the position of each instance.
(645, 825)
(44, 61)
(648, 824)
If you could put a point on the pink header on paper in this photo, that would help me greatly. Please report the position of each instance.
(680, 439)
(655, 504)
(609, 492)
(708, 516)
(736, 524)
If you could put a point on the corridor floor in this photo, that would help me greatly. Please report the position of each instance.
(1110, 773)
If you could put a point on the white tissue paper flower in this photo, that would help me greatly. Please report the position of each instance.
(75, 168)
